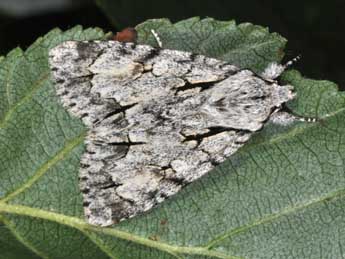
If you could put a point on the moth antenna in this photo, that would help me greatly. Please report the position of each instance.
(292, 61)
(157, 38)
(307, 119)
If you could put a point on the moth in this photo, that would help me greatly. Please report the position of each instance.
(157, 119)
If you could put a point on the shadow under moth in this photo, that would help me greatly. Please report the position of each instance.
(157, 119)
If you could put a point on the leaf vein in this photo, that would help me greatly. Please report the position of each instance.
(99, 244)
(24, 99)
(46, 166)
(272, 217)
(10, 226)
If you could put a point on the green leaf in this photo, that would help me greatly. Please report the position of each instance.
(315, 98)
(280, 196)
(245, 45)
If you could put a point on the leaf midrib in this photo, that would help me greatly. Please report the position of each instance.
(171, 249)
(82, 226)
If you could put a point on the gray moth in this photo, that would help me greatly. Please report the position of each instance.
(157, 119)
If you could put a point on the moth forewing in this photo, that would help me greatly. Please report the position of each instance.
(157, 119)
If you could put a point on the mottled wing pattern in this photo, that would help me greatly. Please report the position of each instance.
(158, 119)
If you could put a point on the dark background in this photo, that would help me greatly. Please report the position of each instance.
(314, 29)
